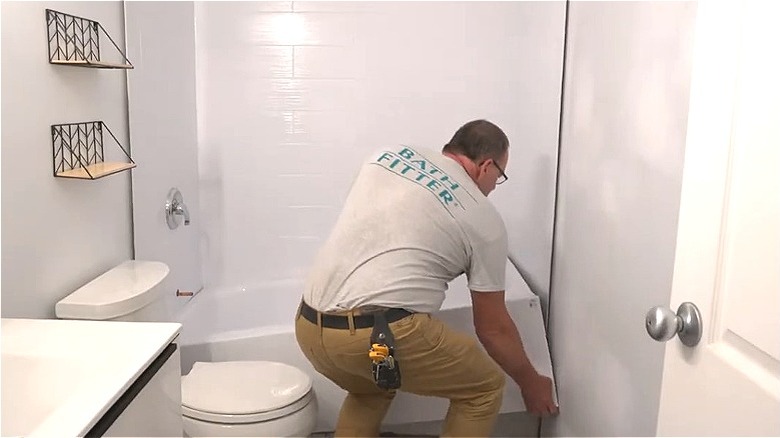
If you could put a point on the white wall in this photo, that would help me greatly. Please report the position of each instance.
(624, 125)
(292, 96)
(57, 234)
(163, 129)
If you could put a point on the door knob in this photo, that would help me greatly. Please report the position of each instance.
(175, 209)
(662, 324)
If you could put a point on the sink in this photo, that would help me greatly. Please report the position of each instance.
(35, 381)
(60, 376)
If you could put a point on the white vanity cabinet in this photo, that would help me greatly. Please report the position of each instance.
(90, 378)
(152, 404)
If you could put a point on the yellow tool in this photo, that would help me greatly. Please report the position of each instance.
(378, 352)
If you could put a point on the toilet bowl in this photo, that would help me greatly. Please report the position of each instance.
(242, 398)
(247, 398)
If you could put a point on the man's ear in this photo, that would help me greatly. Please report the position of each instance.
(484, 165)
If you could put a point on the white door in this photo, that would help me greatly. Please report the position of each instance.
(728, 245)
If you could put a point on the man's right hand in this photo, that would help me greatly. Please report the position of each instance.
(537, 393)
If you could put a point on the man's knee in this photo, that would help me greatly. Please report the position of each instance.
(495, 386)
(487, 401)
(498, 380)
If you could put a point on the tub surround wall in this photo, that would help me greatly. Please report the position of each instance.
(293, 96)
(163, 125)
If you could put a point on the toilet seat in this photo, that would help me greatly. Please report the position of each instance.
(244, 391)
(248, 418)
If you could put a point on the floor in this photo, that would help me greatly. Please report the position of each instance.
(383, 434)
(516, 424)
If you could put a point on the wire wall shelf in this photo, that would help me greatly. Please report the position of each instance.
(76, 41)
(78, 151)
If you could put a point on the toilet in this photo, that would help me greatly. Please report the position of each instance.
(251, 398)
(236, 398)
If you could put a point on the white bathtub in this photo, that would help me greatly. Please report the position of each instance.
(227, 315)
(224, 324)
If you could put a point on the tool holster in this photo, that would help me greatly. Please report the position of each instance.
(384, 366)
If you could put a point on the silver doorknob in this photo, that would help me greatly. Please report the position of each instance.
(662, 324)
(175, 209)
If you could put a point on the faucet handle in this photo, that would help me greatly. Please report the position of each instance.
(175, 208)
(181, 209)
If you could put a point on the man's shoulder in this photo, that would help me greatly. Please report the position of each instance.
(482, 219)
(405, 151)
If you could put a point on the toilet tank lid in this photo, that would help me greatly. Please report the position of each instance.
(243, 387)
(119, 291)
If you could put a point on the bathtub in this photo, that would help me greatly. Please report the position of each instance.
(226, 324)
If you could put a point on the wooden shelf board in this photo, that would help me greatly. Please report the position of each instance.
(97, 170)
(92, 64)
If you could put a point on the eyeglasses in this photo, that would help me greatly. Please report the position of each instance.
(501, 179)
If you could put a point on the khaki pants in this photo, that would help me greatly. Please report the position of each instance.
(434, 360)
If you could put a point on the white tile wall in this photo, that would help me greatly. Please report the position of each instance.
(294, 95)
(163, 126)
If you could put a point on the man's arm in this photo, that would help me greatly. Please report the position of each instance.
(498, 334)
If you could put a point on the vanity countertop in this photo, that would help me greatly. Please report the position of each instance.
(59, 377)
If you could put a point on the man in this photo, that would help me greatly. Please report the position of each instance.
(415, 220)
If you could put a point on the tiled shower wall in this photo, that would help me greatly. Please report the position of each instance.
(292, 96)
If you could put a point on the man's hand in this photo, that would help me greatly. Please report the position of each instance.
(537, 393)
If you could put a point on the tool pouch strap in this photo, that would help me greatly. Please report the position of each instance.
(382, 327)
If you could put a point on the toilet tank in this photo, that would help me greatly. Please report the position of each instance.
(131, 291)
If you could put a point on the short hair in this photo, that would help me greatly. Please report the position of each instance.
(477, 140)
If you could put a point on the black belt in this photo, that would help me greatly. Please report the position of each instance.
(342, 321)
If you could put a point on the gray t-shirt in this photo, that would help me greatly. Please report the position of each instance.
(413, 221)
